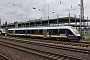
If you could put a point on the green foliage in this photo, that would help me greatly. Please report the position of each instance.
(87, 38)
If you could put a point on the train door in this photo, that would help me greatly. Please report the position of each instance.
(13, 33)
(63, 33)
(44, 33)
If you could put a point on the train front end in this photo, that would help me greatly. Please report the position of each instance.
(76, 34)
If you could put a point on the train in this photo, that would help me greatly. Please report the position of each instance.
(2, 31)
(55, 32)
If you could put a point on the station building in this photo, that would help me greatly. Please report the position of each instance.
(39, 22)
(67, 21)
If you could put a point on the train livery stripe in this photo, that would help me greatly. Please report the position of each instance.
(37, 35)
(55, 36)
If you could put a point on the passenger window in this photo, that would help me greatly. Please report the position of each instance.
(10, 31)
(24, 31)
(41, 31)
(28, 31)
(51, 31)
(55, 31)
(32, 31)
(20, 31)
(62, 31)
(36, 31)
(16, 32)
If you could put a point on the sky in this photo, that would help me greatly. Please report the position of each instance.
(22, 10)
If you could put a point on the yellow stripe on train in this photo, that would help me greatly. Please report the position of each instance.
(38, 35)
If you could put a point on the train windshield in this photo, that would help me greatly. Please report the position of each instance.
(75, 30)
(4, 30)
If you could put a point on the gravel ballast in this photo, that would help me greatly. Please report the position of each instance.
(15, 54)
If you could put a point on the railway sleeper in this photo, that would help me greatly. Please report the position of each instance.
(70, 49)
(36, 51)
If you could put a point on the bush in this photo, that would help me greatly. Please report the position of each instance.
(87, 37)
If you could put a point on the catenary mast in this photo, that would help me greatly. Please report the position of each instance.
(81, 15)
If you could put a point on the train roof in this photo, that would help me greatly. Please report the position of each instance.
(2, 29)
(58, 27)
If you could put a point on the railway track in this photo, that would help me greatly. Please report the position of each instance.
(2, 57)
(46, 49)
(74, 44)
(44, 54)
(56, 46)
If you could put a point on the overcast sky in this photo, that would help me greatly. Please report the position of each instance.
(17, 10)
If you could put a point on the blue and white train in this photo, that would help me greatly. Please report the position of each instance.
(59, 32)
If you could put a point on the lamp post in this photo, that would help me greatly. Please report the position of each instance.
(29, 21)
(87, 25)
(69, 18)
(48, 15)
(80, 23)
(75, 20)
(81, 15)
(41, 21)
(57, 16)
(42, 11)
(20, 6)
(41, 17)
(21, 20)
(69, 14)
(0, 23)
(35, 19)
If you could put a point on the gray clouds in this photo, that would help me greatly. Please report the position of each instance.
(11, 13)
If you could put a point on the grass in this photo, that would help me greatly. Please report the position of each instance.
(87, 38)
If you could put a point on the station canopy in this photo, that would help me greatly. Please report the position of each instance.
(60, 20)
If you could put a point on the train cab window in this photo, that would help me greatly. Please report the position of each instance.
(69, 32)
(55, 31)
